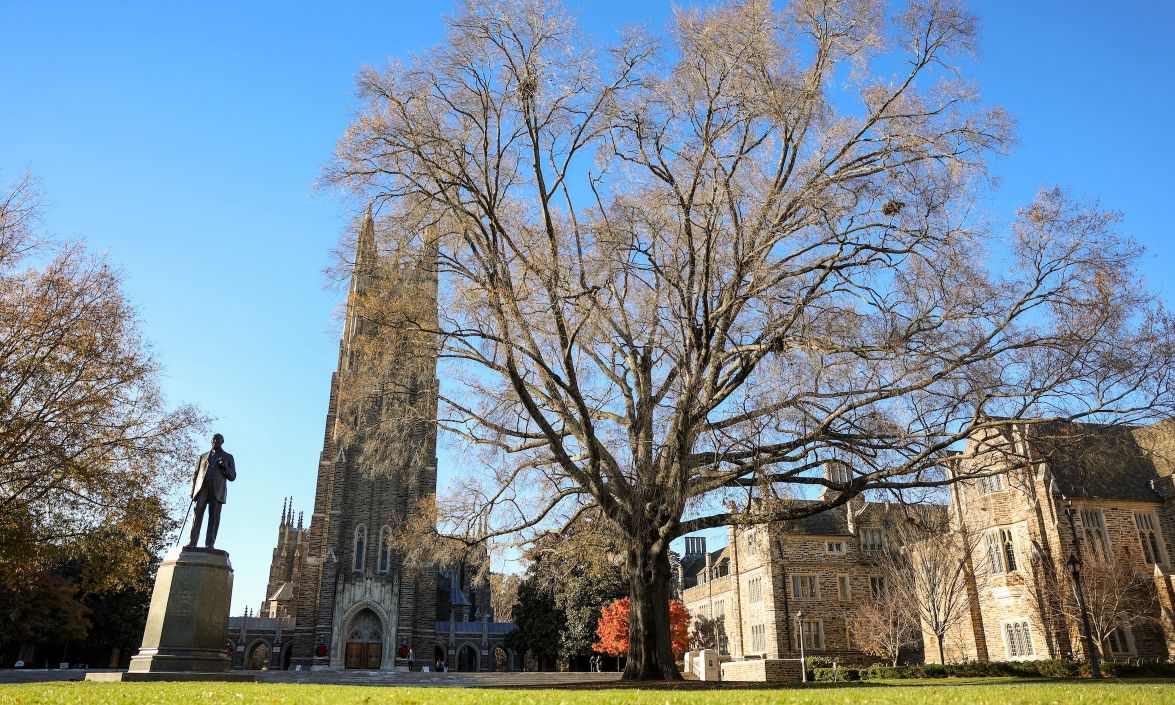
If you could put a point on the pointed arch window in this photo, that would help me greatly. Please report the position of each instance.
(360, 547)
(385, 549)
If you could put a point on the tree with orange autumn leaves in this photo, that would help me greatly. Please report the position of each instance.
(613, 627)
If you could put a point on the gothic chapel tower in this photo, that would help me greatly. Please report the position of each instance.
(357, 605)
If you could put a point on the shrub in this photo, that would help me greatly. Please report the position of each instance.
(1057, 668)
(1127, 669)
(835, 675)
(933, 670)
(969, 669)
(878, 670)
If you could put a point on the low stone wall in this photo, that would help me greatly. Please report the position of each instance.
(768, 670)
(704, 665)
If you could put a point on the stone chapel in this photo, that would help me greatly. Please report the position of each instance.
(349, 598)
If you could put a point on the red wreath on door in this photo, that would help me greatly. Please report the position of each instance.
(320, 650)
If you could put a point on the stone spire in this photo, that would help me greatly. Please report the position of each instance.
(362, 272)
(365, 253)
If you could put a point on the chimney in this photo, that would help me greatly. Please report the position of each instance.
(837, 472)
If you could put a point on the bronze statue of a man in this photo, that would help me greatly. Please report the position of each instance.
(214, 470)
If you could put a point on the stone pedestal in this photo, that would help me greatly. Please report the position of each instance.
(188, 620)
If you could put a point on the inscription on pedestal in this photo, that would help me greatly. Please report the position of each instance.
(183, 606)
(189, 614)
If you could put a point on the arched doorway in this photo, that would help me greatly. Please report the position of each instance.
(501, 659)
(438, 656)
(365, 637)
(467, 658)
(287, 655)
(257, 657)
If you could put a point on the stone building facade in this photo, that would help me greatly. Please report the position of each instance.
(338, 595)
(285, 568)
(822, 566)
(1102, 494)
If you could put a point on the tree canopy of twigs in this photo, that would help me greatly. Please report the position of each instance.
(884, 624)
(1119, 594)
(679, 271)
(87, 441)
(929, 569)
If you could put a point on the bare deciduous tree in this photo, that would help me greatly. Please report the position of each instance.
(884, 624)
(504, 594)
(708, 633)
(1119, 595)
(86, 439)
(669, 280)
(928, 565)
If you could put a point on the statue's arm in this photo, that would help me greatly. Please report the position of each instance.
(196, 476)
(230, 468)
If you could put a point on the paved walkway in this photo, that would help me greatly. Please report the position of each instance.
(383, 678)
(42, 675)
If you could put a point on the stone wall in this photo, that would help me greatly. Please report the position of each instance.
(1043, 525)
(758, 601)
(763, 671)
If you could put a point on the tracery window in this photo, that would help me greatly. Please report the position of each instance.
(385, 549)
(1153, 550)
(360, 547)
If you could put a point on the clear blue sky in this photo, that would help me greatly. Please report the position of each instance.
(184, 140)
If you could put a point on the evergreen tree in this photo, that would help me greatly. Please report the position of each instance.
(537, 622)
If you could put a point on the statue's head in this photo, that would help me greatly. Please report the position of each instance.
(217, 441)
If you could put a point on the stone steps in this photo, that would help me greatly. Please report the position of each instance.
(432, 680)
(378, 678)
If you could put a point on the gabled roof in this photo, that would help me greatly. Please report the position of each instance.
(831, 522)
(1096, 461)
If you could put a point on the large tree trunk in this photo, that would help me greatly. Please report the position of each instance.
(650, 651)
(942, 658)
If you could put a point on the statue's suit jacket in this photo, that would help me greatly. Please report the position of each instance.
(219, 486)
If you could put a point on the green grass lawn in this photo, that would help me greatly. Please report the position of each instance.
(961, 692)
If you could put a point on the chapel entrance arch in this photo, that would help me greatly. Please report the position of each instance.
(257, 657)
(365, 640)
(467, 658)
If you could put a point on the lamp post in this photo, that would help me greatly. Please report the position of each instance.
(800, 634)
(1074, 563)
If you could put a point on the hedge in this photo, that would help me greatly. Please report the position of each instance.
(1022, 669)
(835, 675)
